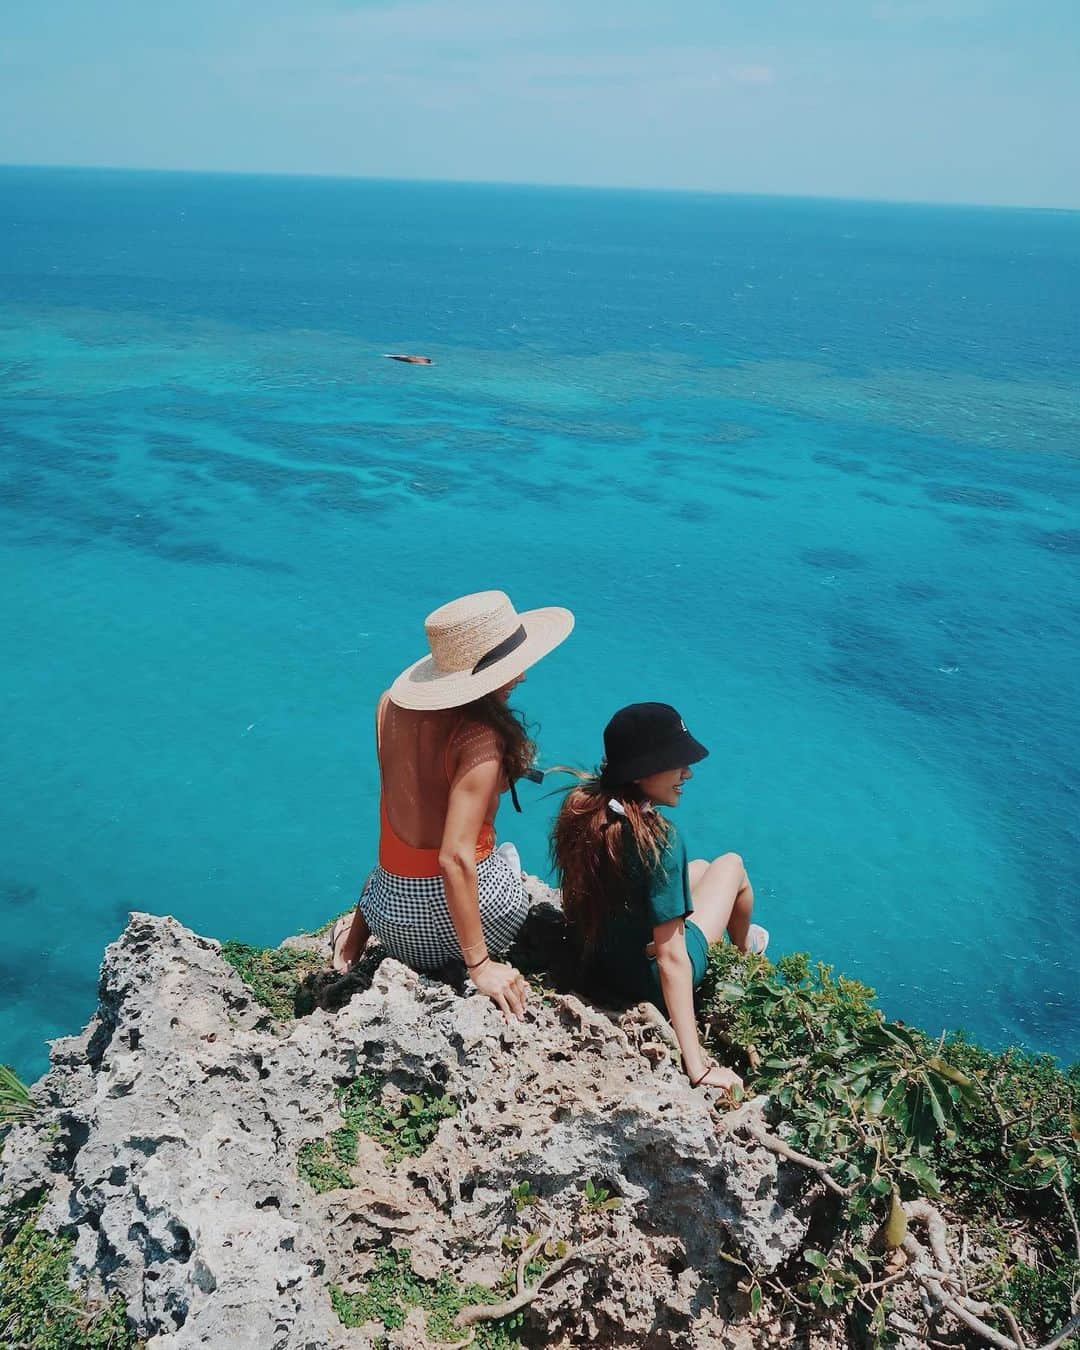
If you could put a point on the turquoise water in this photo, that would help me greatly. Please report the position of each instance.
(806, 469)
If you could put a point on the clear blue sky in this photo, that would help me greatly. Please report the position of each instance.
(933, 100)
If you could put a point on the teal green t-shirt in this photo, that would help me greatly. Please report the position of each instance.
(652, 896)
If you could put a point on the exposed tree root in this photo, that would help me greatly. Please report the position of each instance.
(758, 1131)
(934, 1276)
(492, 1312)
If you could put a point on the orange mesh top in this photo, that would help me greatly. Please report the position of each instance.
(421, 756)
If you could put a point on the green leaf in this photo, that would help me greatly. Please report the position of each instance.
(755, 1298)
(900, 1035)
(953, 1075)
(812, 1257)
(874, 1102)
(937, 1108)
(861, 1257)
(896, 1104)
(920, 1172)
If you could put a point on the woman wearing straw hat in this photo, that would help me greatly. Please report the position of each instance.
(645, 915)
(448, 746)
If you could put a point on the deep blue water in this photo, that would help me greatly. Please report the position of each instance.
(807, 469)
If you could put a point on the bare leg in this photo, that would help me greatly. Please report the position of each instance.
(350, 939)
(723, 898)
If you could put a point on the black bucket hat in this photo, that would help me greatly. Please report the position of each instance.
(647, 738)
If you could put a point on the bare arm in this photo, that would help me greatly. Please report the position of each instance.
(677, 983)
(465, 815)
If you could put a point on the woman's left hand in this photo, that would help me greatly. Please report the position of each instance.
(504, 985)
(725, 1079)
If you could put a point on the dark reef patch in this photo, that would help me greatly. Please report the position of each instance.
(693, 513)
(859, 468)
(210, 553)
(109, 516)
(964, 494)
(884, 663)
(726, 433)
(833, 559)
(38, 452)
(15, 894)
(1059, 541)
(174, 449)
(918, 591)
(341, 493)
(600, 431)
(640, 492)
(89, 433)
(755, 493)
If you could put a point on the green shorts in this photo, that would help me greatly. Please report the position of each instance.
(697, 947)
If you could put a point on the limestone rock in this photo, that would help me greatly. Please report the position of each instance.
(172, 1129)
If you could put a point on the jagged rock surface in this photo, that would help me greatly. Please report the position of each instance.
(173, 1124)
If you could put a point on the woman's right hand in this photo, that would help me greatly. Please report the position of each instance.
(502, 984)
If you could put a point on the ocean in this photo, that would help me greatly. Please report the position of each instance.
(806, 469)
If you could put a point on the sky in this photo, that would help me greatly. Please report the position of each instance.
(916, 100)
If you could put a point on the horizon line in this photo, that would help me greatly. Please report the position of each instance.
(522, 183)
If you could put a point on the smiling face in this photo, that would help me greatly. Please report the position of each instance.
(664, 788)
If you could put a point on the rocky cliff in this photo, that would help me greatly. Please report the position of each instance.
(381, 1172)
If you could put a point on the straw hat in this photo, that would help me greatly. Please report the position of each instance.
(478, 644)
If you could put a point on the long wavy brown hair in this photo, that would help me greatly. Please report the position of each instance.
(587, 849)
(519, 749)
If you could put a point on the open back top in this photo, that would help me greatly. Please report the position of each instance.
(421, 756)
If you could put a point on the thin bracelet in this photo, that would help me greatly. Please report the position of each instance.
(478, 963)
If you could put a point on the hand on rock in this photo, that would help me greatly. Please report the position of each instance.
(502, 984)
(725, 1079)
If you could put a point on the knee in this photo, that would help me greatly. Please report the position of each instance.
(732, 862)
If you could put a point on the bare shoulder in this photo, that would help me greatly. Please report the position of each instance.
(472, 744)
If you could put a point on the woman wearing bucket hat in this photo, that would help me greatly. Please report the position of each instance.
(448, 746)
(645, 915)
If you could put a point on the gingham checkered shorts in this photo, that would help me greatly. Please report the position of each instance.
(410, 918)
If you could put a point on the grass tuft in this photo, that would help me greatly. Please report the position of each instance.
(275, 976)
(404, 1130)
(16, 1104)
(38, 1311)
(392, 1288)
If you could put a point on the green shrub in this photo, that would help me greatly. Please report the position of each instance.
(404, 1131)
(392, 1288)
(38, 1311)
(15, 1101)
(274, 975)
(894, 1113)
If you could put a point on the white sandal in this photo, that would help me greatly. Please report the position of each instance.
(341, 925)
(757, 939)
